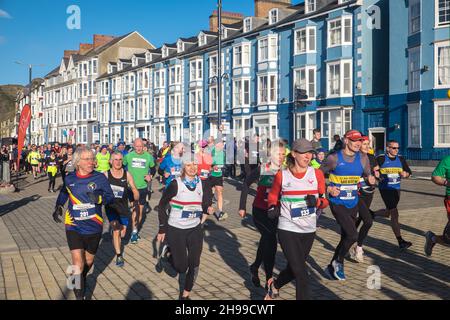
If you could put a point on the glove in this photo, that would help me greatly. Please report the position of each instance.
(311, 201)
(273, 212)
(58, 213)
(94, 198)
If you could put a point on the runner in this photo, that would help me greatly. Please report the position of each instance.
(301, 188)
(393, 168)
(102, 159)
(203, 161)
(118, 212)
(218, 157)
(320, 156)
(33, 159)
(366, 193)
(441, 177)
(141, 165)
(87, 191)
(190, 202)
(345, 167)
(264, 174)
(52, 169)
(171, 165)
(67, 163)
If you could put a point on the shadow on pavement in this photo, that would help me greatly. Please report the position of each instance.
(227, 244)
(139, 291)
(7, 208)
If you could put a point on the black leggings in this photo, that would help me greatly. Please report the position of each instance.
(365, 217)
(267, 247)
(296, 248)
(186, 247)
(346, 218)
(51, 182)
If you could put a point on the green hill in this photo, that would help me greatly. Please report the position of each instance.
(8, 94)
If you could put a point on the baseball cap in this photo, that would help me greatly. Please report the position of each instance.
(321, 150)
(302, 146)
(353, 135)
(365, 138)
(104, 147)
(121, 143)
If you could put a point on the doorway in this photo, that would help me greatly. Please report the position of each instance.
(378, 138)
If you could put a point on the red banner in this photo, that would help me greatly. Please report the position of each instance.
(24, 122)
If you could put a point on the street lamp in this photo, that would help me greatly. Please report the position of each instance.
(219, 60)
(30, 72)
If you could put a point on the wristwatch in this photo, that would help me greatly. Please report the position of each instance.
(445, 183)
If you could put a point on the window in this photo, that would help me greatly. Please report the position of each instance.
(263, 50)
(443, 12)
(94, 66)
(305, 40)
(247, 24)
(213, 99)
(180, 46)
(237, 93)
(246, 92)
(241, 55)
(443, 64)
(213, 66)
(273, 48)
(171, 105)
(414, 69)
(201, 40)
(339, 78)
(146, 80)
(132, 83)
(306, 122)
(305, 78)
(414, 129)
(196, 67)
(335, 122)
(442, 124)
(273, 16)
(267, 89)
(310, 6)
(340, 32)
(414, 16)
(172, 76)
(237, 56)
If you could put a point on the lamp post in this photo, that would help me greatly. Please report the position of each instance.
(219, 60)
(30, 72)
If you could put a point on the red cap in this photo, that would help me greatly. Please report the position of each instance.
(365, 138)
(353, 135)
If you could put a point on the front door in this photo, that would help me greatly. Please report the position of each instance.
(378, 137)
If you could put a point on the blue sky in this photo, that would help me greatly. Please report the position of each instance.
(35, 31)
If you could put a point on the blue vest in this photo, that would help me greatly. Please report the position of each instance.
(390, 173)
(346, 176)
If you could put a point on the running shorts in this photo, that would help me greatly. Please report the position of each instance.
(88, 242)
(391, 198)
(216, 181)
(447, 205)
(113, 216)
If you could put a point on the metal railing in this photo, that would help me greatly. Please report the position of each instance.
(427, 155)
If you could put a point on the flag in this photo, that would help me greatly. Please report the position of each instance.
(24, 122)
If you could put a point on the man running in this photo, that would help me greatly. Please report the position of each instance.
(345, 168)
(218, 157)
(141, 166)
(118, 212)
(441, 177)
(33, 159)
(102, 159)
(393, 168)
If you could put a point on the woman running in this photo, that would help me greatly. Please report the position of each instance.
(51, 164)
(301, 189)
(190, 203)
(87, 190)
(264, 174)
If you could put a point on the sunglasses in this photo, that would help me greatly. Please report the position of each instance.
(395, 148)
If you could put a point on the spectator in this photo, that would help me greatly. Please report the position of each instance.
(338, 145)
(317, 135)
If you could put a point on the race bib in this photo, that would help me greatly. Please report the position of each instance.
(348, 192)
(83, 206)
(204, 174)
(191, 212)
(299, 210)
(175, 171)
(138, 163)
(393, 178)
(118, 191)
(218, 168)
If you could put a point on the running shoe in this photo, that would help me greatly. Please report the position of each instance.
(404, 245)
(134, 237)
(429, 243)
(338, 270)
(119, 261)
(221, 215)
(329, 272)
(272, 292)
(184, 298)
(138, 236)
(255, 277)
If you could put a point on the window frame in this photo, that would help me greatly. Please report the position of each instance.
(307, 70)
(342, 42)
(437, 144)
(437, 46)
(439, 24)
(341, 64)
(270, 87)
(410, 17)
(411, 52)
(418, 107)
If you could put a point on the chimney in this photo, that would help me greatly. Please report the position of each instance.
(85, 47)
(68, 53)
(227, 18)
(262, 7)
(101, 40)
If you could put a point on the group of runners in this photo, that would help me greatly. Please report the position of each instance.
(292, 192)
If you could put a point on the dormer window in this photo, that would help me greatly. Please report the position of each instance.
(180, 46)
(119, 66)
(201, 40)
(247, 24)
(273, 16)
(134, 62)
(148, 57)
(310, 6)
(165, 52)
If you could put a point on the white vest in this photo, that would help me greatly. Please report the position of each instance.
(186, 207)
(295, 215)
